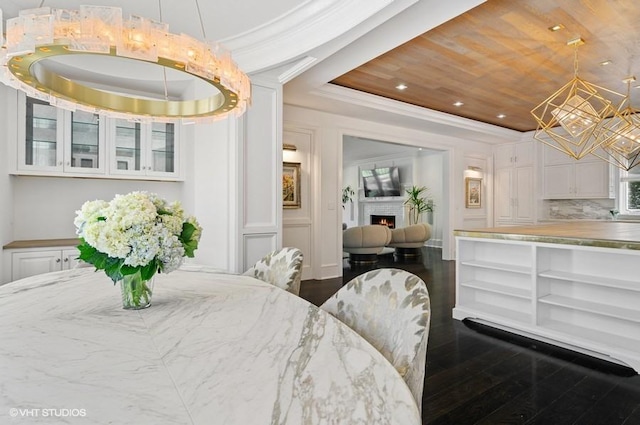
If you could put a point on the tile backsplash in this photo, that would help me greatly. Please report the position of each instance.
(571, 209)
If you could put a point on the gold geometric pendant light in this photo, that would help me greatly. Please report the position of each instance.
(621, 135)
(571, 119)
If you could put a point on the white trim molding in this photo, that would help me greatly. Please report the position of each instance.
(312, 24)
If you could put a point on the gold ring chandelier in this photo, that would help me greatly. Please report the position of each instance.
(42, 34)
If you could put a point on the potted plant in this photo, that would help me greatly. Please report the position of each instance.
(347, 195)
(417, 203)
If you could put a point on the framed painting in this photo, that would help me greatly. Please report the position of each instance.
(473, 192)
(291, 184)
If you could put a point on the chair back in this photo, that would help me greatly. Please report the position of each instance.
(282, 268)
(390, 308)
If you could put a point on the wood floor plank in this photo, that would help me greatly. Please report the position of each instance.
(474, 377)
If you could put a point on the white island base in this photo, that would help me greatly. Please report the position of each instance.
(555, 284)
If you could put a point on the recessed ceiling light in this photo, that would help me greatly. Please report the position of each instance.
(458, 103)
(556, 27)
(501, 116)
(401, 86)
(607, 62)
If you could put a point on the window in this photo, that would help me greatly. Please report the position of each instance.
(630, 191)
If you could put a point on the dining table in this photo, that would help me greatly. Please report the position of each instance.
(213, 348)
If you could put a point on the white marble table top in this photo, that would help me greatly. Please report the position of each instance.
(212, 349)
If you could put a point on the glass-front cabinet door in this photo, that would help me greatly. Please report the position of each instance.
(85, 142)
(163, 148)
(56, 142)
(143, 149)
(43, 136)
(126, 137)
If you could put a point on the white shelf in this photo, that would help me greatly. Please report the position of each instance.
(589, 335)
(497, 266)
(531, 288)
(492, 313)
(592, 280)
(498, 289)
(592, 307)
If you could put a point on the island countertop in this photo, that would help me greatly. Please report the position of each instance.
(604, 234)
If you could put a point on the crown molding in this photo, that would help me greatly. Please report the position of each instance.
(430, 117)
(313, 23)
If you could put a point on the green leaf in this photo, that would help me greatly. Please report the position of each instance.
(190, 248)
(112, 268)
(128, 270)
(188, 230)
(188, 242)
(149, 270)
(86, 251)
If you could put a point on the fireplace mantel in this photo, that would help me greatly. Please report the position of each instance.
(391, 206)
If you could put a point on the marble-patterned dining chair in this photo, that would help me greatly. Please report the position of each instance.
(390, 308)
(282, 268)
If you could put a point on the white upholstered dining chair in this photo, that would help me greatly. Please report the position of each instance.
(282, 268)
(390, 308)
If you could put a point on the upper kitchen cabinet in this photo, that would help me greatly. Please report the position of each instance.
(514, 184)
(56, 142)
(567, 178)
(148, 150)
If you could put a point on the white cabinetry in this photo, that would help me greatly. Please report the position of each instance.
(495, 279)
(29, 262)
(58, 141)
(567, 178)
(143, 149)
(514, 184)
(54, 142)
(584, 298)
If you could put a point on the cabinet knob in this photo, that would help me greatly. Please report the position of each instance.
(66, 260)
(57, 260)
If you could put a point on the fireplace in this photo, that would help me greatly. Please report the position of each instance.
(385, 220)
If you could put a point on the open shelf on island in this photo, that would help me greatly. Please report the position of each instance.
(498, 288)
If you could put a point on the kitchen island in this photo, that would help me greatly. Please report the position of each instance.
(575, 285)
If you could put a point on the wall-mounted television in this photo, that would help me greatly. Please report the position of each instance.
(381, 182)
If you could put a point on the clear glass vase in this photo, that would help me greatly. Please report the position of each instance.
(136, 292)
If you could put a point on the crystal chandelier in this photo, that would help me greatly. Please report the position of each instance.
(571, 119)
(38, 40)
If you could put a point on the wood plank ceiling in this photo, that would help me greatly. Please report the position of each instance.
(502, 58)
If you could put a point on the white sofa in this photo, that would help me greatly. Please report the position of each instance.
(364, 243)
(410, 239)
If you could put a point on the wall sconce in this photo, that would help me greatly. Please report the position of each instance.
(288, 147)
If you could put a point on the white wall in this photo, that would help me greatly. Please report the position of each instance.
(6, 190)
(479, 167)
(210, 188)
(430, 172)
(44, 207)
(296, 222)
(329, 130)
(260, 171)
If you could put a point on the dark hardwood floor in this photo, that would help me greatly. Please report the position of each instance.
(476, 376)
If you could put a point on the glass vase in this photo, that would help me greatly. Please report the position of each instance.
(136, 292)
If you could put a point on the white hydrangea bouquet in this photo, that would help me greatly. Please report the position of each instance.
(135, 234)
